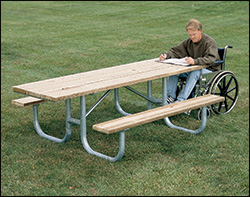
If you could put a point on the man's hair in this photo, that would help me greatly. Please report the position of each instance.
(193, 24)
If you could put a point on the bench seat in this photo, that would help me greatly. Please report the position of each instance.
(151, 115)
(27, 101)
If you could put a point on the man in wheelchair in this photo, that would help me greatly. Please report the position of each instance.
(199, 49)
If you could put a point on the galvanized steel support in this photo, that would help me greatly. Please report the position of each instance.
(117, 104)
(171, 125)
(83, 131)
(197, 131)
(49, 137)
(149, 94)
(83, 124)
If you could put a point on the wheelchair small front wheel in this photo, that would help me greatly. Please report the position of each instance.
(226, 85)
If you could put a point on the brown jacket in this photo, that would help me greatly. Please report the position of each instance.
(203, 52)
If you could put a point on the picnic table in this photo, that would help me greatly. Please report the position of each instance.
(108, 79)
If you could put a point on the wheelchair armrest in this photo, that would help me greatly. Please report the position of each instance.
(216, 63)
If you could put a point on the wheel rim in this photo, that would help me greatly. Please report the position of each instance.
(226, 86)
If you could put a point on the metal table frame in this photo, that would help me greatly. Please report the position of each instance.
(83, 115)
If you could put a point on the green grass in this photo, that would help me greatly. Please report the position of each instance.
(45, 39)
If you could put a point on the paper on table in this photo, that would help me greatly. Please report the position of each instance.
(177, 61)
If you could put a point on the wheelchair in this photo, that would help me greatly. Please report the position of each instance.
(223, 83)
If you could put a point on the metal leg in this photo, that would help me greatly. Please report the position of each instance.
(197, 131)
(149, 93)
(83, 131)
(170, 124)
(148, 98)
(117, 104)
(164, 91)
(49, 137)
(76, 121)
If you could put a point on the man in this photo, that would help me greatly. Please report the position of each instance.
(199, 49)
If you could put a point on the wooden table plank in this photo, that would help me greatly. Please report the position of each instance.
(111, 83)
(80, 84)
(87, 76)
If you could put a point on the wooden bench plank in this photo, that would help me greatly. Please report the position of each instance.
(144, 117)
(27, 101)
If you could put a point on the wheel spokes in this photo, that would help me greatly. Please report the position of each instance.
(226, 105)
(226, 85)
(232, 99)
(230, 90)
(229, 82)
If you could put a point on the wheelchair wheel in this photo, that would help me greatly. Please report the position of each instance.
(224, 84)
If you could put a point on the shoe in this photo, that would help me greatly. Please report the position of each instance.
(187, 112)
(170, 100)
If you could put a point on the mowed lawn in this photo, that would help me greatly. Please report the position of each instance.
(46, 39)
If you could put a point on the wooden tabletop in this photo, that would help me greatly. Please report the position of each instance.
(84, 83)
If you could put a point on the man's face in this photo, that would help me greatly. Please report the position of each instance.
(195, 35)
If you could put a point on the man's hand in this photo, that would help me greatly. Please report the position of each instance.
(190, 60)
(163, 57)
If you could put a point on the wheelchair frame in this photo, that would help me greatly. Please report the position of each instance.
(223, 83)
